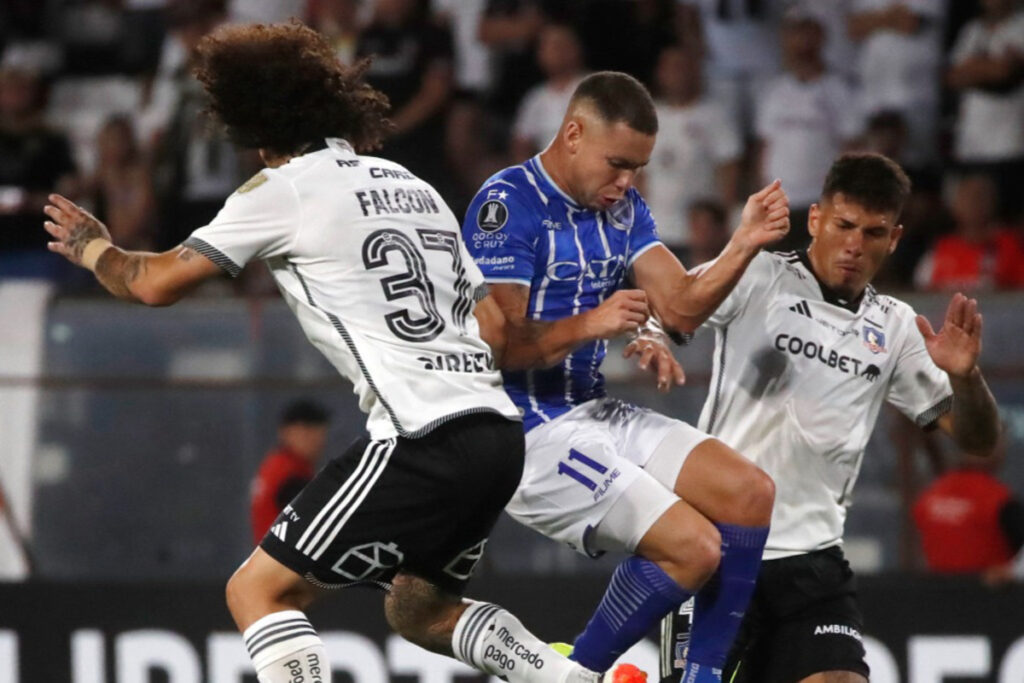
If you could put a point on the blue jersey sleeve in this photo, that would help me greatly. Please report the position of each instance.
(501, 231)
(643, 234)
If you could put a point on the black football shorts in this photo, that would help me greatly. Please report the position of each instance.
(425, 506)
(803, 619)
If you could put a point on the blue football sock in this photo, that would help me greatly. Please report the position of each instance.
(721, 603)
(637, 597)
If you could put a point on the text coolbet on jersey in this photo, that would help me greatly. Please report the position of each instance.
(797, 385)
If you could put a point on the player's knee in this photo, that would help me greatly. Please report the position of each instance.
(237, 590)
(754, 496)
(761, 496)
(261, 586)
(694, 557)
(706, 553)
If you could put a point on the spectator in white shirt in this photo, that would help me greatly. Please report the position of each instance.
(560, 56)
(739, 39)
(840, 50)
(900, 65)
(988, 71)
(698, 151)
(468, 126)
(806, 118)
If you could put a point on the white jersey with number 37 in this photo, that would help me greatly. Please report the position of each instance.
(370, 259)
(799, 378)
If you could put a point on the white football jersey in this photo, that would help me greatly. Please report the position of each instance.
(370, 259)
(797, 384)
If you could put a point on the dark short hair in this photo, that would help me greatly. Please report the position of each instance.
(619, 97)
(281, 87)
(304, 411)
(874, 181)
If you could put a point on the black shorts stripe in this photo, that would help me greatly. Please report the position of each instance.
(356, 496)
(416, 505)
(314, 531)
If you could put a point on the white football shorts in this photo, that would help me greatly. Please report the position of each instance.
(581, 463)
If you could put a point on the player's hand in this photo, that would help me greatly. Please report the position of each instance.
(72, 227)
(624, 311)
(652, 353)
(765, 218)
(956, 346)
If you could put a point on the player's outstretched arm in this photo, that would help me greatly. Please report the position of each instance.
(541, 344)
(974, 420)
(151, 279)
(684, 300)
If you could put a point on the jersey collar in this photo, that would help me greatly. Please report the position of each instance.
(546, 184)
(340, 145)
(827, 293)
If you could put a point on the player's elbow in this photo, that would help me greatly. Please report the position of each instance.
(550, 360)
(527, 358)
(982, 443)
(979, 436)
(155, 295)
(680, 322)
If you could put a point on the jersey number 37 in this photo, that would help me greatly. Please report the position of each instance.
(415, 282)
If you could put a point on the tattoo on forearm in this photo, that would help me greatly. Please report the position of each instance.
(85, 229)
(117, 270)
(135, 265)
(975, 416)
(186, 253)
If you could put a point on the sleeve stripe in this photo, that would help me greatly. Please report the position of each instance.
(480, 293)
(516, 280)
(935, 412)
(643, 250)
(214, 254)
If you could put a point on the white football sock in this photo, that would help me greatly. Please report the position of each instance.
(493, 640)
(284, 647)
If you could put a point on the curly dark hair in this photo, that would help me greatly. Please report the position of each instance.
(280, 87)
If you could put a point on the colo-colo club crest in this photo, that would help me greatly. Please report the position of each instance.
(874, 339)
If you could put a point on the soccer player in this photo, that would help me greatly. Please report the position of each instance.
(556, 238)
(806, 353)
(369, 258)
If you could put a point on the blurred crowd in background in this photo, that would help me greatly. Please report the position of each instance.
(97, 102)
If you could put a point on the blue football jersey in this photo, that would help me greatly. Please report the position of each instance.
(521, 228)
